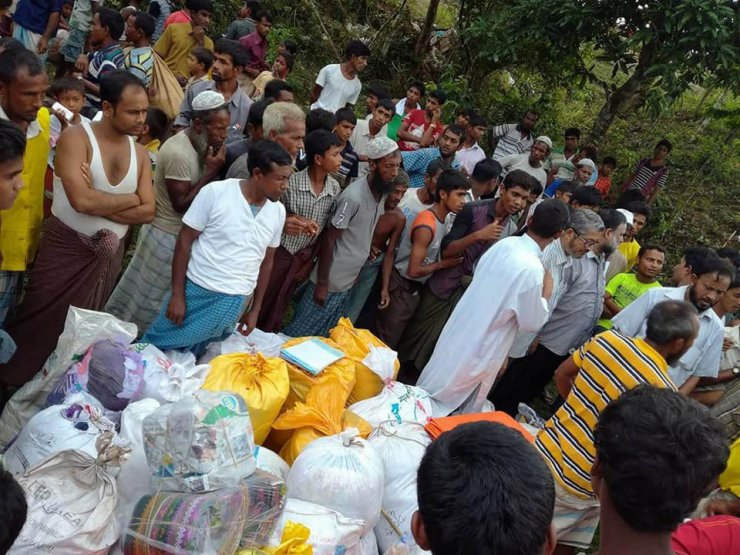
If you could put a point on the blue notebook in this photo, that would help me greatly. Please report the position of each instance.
(312, 355)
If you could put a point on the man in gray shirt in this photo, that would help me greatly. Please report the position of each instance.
(571, 323)
(345, 244)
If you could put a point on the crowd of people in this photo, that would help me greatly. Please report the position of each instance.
(489, 273)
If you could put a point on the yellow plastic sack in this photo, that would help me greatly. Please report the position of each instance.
(301, 381)
(323, 414)
(356, 343)
(262, 382)
(294, 541)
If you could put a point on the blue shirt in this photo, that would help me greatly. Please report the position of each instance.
(34, 14)
(415, 163)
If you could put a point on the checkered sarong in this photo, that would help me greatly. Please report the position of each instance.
(727, 410)
(10, 290)
(139, 295)
(311, 319)
(209, 316)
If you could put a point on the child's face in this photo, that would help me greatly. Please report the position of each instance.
(10, 181)
(71, 100)
(344, 130)
(331, 161)
(67, 9)
(279, 66)
(194, 66)
(606, 170)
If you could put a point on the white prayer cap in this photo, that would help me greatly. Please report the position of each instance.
(626, 213)
(379, 147)
(587, 162)
(544, 139)
(208, 100)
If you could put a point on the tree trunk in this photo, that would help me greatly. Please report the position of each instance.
(426, 31)
(629, 96)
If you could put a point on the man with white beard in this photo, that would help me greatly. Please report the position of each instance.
(187, 162)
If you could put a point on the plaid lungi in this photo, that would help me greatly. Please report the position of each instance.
(312, 319)
(209, 316)
(139, 295)
(10, 292)
(727, 410)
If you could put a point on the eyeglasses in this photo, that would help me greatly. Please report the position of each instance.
(588, 243)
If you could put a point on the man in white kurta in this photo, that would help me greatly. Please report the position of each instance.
(508, 293)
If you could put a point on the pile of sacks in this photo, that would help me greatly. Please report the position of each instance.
(122, 448)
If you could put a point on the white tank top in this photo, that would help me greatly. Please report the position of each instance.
(84, 223)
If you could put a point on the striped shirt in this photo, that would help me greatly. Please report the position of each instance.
(510, 140)
(648, 178)
(609, 364)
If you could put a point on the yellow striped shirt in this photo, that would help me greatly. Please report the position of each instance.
(609, 364)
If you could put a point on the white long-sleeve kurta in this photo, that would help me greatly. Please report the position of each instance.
(504, 296)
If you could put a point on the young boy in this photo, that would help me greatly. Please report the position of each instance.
(139, 60)
(309, 200)
(12, 147)
(656, 455)
(482, 488)
(417, 200)
(606, 169)
(154, 133)
(386, 236)
(640, 215)
(624, 288)
(224, 254)
(200, 61)
(346, 121)
(484, 180)
(423, 128)
(107, 28)
(338, 85)
(243, 25)
(419, 256)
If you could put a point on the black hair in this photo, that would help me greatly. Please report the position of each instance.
(486, 169)
(649, 247)
(257, 111)
(456, 130)
(536, 188)
(113, 83)
(158, 123)
(590, 152)
(533, 112)
(264, 154)
(519, 178)
(450, 180)
(436, 166)
(657, 452)
(550, 217)
(262, 14)
(11, 62)
(612, 218)
(378, 90)
(204, 56)
(113, 21)
(289, 59)
(67, 84)
(253, 6)
(346, 114)
(639, 207)
(318, 118)
(200, 5)
(467, 112)
(476, 120)
(12, 141)
(386, 103)
(8, 44)
(4, 4)
(666, 143)
(566, 186)
(586, 196)
(317, 143)
(239, 55)
(439, 95)
(275, 87)
(291, 46)
(145, 23)
(730, 254)
(13, 510)
(573, 132)
(609, 161)
(482, 488)
(418, 85)
(713, 264)
(356, 48)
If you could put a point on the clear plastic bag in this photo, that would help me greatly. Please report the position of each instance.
(342, 472)
(172, 376)
(266, 497)
(269, 344)
(202, 443)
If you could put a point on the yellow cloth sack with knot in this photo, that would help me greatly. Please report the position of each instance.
(301, 381)
(262, 382)
(323, 414)
(356, 343)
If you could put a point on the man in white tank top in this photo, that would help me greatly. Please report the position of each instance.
(102, 184)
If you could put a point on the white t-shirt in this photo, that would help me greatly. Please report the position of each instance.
(227, 255)
(411, 207)
(337, 91)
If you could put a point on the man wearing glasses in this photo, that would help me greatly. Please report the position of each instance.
(579, 304)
